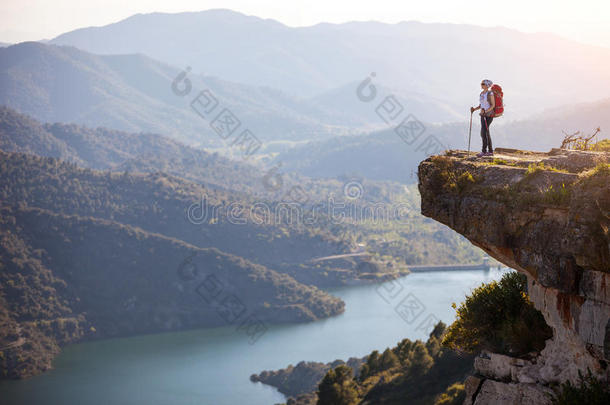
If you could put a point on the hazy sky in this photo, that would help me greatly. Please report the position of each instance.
(583, 20)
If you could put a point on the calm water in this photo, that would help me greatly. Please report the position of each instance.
(212, 366)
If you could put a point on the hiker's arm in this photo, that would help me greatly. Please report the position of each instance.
(473, 109)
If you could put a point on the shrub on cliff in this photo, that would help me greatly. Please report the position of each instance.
(498, 317)
(590, 391)
(454, 395)
(596, 177)
(449, 179)
(602, 146)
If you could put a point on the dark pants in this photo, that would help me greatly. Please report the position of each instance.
(485, 136)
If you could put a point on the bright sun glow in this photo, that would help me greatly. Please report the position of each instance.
(584, 21)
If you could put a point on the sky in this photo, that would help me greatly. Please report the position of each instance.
(586, 21)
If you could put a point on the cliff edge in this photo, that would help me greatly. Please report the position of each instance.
(546, 215)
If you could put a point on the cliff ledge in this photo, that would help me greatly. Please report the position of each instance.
(546, 215)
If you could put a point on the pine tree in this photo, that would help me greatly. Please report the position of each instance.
(421, 361)
(338, 387)
(388, 360)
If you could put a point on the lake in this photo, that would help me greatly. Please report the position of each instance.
(213, 366)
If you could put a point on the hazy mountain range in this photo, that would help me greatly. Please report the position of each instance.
(444, 61)
(133, 93)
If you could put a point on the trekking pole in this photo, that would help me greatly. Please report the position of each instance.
(469, 132)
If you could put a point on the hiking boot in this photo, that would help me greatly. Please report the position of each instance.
(481, 154)
(489, 154)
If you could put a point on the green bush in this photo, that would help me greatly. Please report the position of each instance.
(541, 167)
(449, 179)
(590, 391)
(465, 180)
(601, 146)
(503, 162)
(498, 317)
(557, 196)
(454, 395)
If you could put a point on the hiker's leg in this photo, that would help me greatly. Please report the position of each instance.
(484, 133)
(490, 148)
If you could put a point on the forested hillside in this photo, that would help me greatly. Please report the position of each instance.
(66, 278)
(409, 237)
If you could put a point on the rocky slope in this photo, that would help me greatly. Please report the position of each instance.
(546, 215)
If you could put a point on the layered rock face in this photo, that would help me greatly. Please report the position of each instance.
(546, 215)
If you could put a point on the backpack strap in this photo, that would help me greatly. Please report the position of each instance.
(489, 95)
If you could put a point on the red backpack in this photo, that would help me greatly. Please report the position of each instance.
(498, 96)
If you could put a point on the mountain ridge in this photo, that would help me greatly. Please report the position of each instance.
(349, 51)
(133, 93)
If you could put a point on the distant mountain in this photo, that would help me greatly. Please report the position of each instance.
(545, 130)
(444, 61)
(106, 149)
(134, 93)
(347, 107)
(380, 155)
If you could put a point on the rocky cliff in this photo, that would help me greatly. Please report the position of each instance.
(546, 215)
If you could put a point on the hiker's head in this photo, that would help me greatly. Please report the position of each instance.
(486, 84)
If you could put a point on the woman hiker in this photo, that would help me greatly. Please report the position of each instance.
(486, 105)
